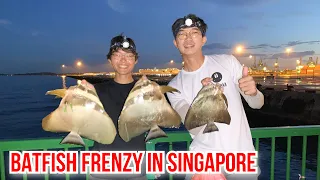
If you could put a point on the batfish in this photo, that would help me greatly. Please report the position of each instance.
(209, 106)
(146, 108)
(81, 113)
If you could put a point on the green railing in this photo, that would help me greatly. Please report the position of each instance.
(174, 137)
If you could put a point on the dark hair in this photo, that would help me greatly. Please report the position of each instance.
(196, 22)
(117, 43)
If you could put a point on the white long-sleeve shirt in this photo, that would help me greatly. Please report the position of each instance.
(233, 137)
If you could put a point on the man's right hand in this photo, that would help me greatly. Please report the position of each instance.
(206, 81)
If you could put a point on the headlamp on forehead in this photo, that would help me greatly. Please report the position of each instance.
(188, 22)
(124, 44)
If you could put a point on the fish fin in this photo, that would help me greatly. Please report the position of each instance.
(165, 89)
(225, 99)
(170, 118)
(58, 92)
(45, 122)
(155, 132)
(73, 138)
(223, 117)
(57, 97)
(211, 127)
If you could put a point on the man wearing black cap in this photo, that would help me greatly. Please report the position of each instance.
(199, 70)
(123, 57)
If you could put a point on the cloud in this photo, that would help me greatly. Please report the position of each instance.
(18, 30)
(263, 46)
(246, 55)
(5, 22)
(223, 46)
(270, 26)
(118, 6)
(293, 55)
(215, 46)
(253, 15)
(294, 43)
(239, 2)
(35, 33)
(235, 28)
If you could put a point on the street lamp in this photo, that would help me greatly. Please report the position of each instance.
(288, 50)
(239, 49)
(264, 70)
(79, 63)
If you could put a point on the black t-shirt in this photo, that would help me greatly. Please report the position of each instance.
(112, 96)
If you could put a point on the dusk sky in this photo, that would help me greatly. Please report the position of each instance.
(41, 35)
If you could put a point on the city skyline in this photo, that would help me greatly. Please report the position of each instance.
(41, 36)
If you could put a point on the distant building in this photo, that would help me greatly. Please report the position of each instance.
(311, 68)
(155, 71)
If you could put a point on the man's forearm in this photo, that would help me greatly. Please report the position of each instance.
(255, 102)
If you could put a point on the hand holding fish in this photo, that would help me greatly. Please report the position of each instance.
(206, 81)
(247, 84)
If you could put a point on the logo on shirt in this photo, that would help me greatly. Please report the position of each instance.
(217, 77)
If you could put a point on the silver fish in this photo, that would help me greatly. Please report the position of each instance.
(146, 108)
(81, 113)
(209, 106)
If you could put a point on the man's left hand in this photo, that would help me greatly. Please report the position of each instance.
(247, 84)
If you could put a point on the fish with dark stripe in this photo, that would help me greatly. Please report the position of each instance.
(146, 108)
(209, 106)
(81, 113)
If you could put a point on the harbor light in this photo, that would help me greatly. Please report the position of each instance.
(250, 56)
(63, 66)
(239, 49)
(288, 50)
(298, 62)
(79, 63)
(171, 61)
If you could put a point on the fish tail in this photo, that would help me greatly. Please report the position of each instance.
(211, 127)
(57, 92)
(155, 132)
(73, 138)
